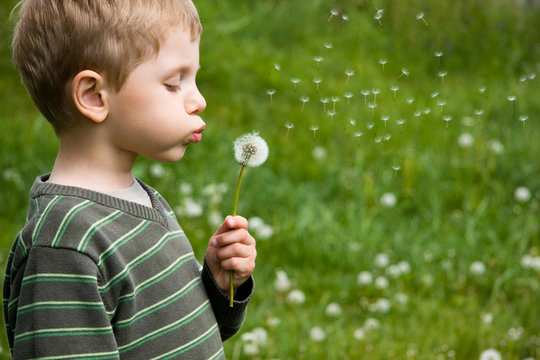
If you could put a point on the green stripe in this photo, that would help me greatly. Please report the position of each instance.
(21, 244)
(190, 345)
(166, 329)
(157, 278)
(62, 332)
(140, 259)
(59, 305)
(93, 356)
(121, 241)
(96, 226)
(44, 216)
(58, 277)
(218, 355)
(159, 305)
(66, 220)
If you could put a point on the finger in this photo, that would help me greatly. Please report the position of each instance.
(238, 250)
(231, 237)
(232, 222)
(242, 267)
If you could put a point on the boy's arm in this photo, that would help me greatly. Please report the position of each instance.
(59, 311)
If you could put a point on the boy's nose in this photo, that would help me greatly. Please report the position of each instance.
(197, 103)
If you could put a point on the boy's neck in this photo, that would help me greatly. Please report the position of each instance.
(84, 162)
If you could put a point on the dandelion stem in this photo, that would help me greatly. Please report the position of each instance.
(236, 197)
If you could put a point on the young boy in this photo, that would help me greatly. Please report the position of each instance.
(102, 270)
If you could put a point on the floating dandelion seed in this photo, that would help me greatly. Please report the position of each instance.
(358, 134)
(379, 15)
(523, 118)
(383, 62)
(532, 76)
(404, 72)
(512, 98)
(304, 100)
(331, 113)
(295, 82)
(442, 75)
(314, 128)
(333, 12)
(523, 78)
(348, 73)
(400, 121)
(375, 92)
(385, 118)
(387, 137)
(420, 16)
(434, 94)
(348, 96)
(249, 150)
(345, 17)
(271, 92)
(370, 126)
(378, 139)
(441, 103)
(410, 100)
(325, 101)
(277, 67)
(396, 168)
(418, 113)
(395, 89)
(427, 111)
(317, 81)
(479, 112)
(329, 45)
(318, 60)
(438, 55)
(289, 127)
(372, 106)
(447, 119)
(334, 99)
(365, 93)
(352, 122)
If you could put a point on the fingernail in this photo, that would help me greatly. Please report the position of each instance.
(213, 242)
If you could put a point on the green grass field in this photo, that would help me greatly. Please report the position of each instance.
(400, 201)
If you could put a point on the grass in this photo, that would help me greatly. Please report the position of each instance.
(321, 194)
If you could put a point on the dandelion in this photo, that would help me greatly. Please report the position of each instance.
(395, 89)
(325, 101)
(388, 200)
(317, 334)
(333, 12)
(404, 72)
(282, 282)
(477, 268)
(364, 278)
(383, 62)
(382, 260)
(490, 354)
(381, 306)
(271, 92)
(359, 334)
(496, 147)
(381, 283)
(465, 140)
(317, 81)
(157, 170)
(487, 318)
(348, 96)
(190, 208)
(186, 189)
(371, 324)
(447, 119)
(295, 82)
(379, 15)
(289, 127)
(304, 100)
(522, 194)
(296, 297)
(348, 73)
(249, 150)
(420, 16)
(333, 310)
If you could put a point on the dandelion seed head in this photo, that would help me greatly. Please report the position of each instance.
(532, 76)
(282, 282)
(295, 80)
(382, 260)
(289, 126)
(250, 150)
(381, 282)
(511, 98)
(522, 194)
(479, 112)
(388, 200)
(400, 121)
(466, 140)
(434, 94)
(496, 147)
(379, 15)
(420, 16)
(490, 354)
(523, 117)
(333, 310)
(364, 92)
(394, 88)
(304, 99)
(358, 134)
(439, 53)
(477, 268)
(318, 58)
(334, 12)
(447, 118)
(349, 72)
(271, 91)
(317, 334)
(317, 80)
(383, 61)
(364, 278)
(296, 297)
(442, 74)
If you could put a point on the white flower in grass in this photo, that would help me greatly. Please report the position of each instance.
(490, 354)
(381, 283)
(296, 297)
(186, 189)
(250, 150)
(157, 170)
(191, 208)
(317, 334)
(515, 334)
(215, 218)
(382, 260)
(477, 268)
(333, 310)
(359, 334)
(404, 267)
(273, 321)
(381, 306)
(496, 147)
(365, 278)
(531, 262)
(371, 324)
(393, 271)
(487, 318)
(319, 153)
(466, 140)
(522, 194)
(401, 298)
(388, 200)
(282, 283)
(250, 349)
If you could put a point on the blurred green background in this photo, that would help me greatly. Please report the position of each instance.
(397, 214)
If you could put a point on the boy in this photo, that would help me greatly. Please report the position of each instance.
(102, 270)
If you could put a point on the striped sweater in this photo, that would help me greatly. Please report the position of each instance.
(91, 276)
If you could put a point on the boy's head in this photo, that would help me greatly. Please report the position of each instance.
(55, 40)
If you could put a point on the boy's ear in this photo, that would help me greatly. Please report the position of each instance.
(89, 95)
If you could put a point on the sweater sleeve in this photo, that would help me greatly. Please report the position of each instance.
(59, 312)
(229, 319)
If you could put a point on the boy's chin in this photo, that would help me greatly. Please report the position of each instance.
(169, 157)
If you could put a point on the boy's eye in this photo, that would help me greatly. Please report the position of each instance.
(172, 87)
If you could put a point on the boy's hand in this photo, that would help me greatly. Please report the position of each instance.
(231, 248)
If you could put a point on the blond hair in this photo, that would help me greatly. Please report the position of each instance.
(56, 39)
